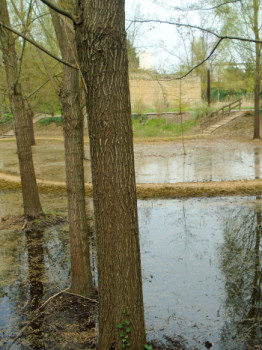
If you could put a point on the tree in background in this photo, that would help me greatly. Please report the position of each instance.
(133, 60)
(243, 19)
(31, 202)
(74, 153)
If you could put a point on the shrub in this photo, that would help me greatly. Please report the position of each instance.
(160, 106)
(139, 107)
(203, 111)
(7, 117)
(48, 120)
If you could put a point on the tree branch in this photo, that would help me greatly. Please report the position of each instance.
(60, 10)
(40, 87)
(24, 41)
(177, 24)
(37, 45)
(202, 62)
(203, 9)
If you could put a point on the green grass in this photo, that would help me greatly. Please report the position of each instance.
(6, 118)
(160, 128)
(46, 121)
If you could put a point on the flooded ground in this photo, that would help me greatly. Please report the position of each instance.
(201, 262)
(205, 160)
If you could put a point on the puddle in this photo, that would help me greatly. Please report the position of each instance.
(213, 161)
(155, 162)
(202, 280)
(202, 270)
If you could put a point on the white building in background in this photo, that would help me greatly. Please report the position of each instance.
(146, 60)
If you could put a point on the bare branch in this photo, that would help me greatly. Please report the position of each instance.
(40, 87)
(60, 10)
(202, 62)
(203, 9)
(37, 45)
(177, 24)
(24, 41)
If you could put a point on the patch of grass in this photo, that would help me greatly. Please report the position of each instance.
(7, 117)
(48, 120)
(160, 128)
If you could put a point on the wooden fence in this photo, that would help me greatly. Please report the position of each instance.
(220, 114)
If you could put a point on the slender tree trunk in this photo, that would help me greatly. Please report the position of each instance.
(32, 206)
(74, 154)
(101, 44)
(257, 71)
(30, 116)
(208, 87)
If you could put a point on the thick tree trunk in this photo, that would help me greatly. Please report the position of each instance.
(74, 154)
(32, 206)
(101, 44)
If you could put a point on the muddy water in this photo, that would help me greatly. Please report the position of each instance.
(203, 161)
(201, 263)
(155, 162)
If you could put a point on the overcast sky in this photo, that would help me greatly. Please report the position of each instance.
(151, 38)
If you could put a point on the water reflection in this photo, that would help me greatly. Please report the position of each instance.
(202, 162)
(202, 270)
(36, 274)
(241, 256)
(202, 276)
(157, 162)
(257, 162)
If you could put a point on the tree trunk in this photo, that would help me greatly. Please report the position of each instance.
(74, 154)
(101, 44)
(208, 88)
(32, 206)
(30, 116)
(257, 71)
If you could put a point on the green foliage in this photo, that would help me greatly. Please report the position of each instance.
(160, 128)
(203, 111)
(6, 118)
(148, 347)
(125, 329)
(46, 121)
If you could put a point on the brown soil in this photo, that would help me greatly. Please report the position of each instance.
(21, 223)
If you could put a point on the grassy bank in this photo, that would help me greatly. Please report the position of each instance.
(161, 128)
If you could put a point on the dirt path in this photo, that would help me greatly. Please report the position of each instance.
(146, 191)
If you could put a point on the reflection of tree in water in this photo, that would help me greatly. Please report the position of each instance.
(36, 273)
(241, 264)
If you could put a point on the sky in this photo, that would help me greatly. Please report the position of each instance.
(152, 37)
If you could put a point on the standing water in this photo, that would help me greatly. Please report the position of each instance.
(201, 262)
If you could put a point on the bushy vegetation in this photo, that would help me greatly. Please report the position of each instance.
(161, 128)
(203, 111)
(7, 117)
(48, 120)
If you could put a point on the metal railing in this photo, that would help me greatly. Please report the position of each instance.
(220, 114)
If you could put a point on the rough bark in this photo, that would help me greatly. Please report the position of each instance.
(74, 153)
(30, 116)
(257, 70)
(32, 206)
(101, 44)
